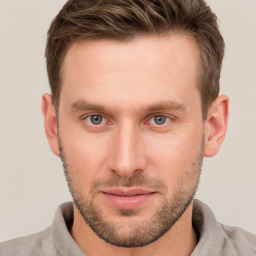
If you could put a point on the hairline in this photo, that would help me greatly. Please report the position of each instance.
(174, 31)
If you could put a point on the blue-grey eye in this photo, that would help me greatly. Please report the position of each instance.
(160, 120)
(95, 119)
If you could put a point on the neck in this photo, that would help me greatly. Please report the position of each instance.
(180, 240)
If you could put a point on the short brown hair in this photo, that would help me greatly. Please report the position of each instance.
(123, 20)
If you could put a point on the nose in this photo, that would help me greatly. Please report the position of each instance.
(127, 153)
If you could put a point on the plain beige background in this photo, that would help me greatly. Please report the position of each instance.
(32, 182)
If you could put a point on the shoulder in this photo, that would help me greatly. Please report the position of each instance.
(49, 242)
(241, 240)
(33, 245)
(218, 239)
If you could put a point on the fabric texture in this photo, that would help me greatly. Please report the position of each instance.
(215, 239)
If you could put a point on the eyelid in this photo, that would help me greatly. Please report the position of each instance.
(107, 120)
(167, 119)
(87, 115)
(104, 120)
(84, 116)
(171, 117)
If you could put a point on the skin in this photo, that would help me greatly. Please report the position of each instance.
(128, 84)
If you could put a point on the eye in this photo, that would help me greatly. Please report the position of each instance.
(159, 120)
(95, 119)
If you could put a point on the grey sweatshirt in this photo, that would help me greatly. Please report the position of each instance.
(215, 239)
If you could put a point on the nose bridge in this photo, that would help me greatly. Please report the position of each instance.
(128, 155)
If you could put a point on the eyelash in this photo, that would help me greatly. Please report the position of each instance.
(162, 116)
(168, 118)
(101, 125)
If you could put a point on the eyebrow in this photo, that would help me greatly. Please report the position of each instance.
(82, 105)
(165, 105)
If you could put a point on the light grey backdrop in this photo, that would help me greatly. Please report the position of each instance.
(32, 182)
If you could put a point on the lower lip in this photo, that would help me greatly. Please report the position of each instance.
(128, 202)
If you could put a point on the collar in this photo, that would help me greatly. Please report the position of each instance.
(209, 231)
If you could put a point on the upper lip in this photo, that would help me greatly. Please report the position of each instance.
(127, 191)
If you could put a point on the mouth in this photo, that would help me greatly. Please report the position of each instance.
(127, 198)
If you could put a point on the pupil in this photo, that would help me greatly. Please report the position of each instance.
(96, 119)
(160, 119)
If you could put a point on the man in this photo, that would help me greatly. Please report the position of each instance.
(133, 111)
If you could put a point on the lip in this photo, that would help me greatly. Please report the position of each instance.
(127, 198)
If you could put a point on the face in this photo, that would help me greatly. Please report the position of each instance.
(131, 134)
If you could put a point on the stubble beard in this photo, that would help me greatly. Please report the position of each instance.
(135, 233)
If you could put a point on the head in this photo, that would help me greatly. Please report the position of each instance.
(134, 108)
(124, 20)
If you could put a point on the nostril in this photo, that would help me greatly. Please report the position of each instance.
(138, 171)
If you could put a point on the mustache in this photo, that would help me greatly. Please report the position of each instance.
(136, 180)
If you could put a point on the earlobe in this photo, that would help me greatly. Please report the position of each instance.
(216, 125)
(50, 123)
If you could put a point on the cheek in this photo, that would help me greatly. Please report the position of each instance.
(85, 156)
(173, 156)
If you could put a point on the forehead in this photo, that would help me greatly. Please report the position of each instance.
(154, 50)
(145, 66)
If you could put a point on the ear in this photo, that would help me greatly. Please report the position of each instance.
(50, 123)
(216, 125)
